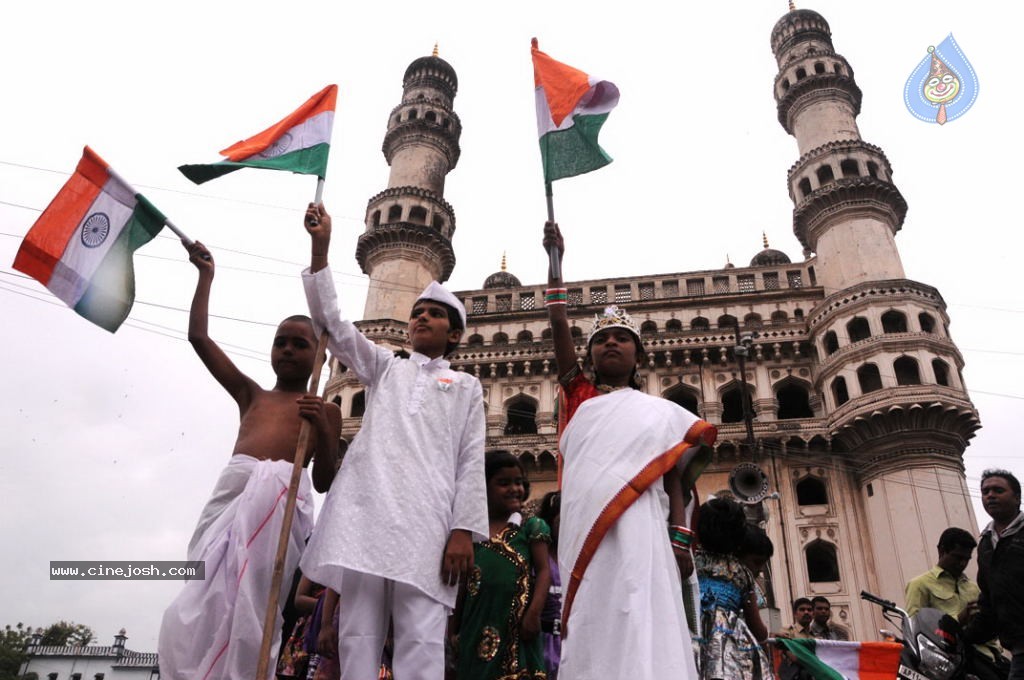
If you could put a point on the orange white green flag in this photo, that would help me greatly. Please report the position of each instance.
(81, 247)
(571, 108)
(841, 660)
(299, 143)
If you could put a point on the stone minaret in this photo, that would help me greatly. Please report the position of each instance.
(847, 208)
(409, 225)
(897, 409)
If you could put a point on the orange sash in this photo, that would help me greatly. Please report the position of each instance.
(699, 433)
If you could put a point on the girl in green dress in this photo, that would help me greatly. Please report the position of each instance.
(498, 615)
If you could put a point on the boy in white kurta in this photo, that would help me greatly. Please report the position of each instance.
(395, 534)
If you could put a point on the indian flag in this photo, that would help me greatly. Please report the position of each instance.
(299, 143)
(835, 660)
(571, 108)
(81, 246)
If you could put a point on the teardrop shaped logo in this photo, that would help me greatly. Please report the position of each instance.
(943, 86)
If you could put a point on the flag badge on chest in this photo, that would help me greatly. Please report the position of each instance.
(444, 384)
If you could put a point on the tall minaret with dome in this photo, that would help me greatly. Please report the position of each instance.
(897, 408)
(409, 226)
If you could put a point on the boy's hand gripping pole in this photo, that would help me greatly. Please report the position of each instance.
(270, 620)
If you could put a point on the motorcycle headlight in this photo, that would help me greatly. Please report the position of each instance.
(935, 663)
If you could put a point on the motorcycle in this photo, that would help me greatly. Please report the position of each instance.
(933, 648)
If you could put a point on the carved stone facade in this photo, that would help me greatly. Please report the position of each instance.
(861, 417)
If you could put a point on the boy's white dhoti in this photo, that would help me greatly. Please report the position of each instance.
(214, 628)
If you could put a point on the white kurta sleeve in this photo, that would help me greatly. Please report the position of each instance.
(366, 359)
(469, 508)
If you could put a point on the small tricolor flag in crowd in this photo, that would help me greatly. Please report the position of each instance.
(81, 246)
(571, 108)
(835, 660)
(299, 143)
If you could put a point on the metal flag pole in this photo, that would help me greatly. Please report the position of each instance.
(554, 264)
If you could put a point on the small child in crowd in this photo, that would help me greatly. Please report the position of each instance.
(551, 615)
(498, 620)
(214, 628)
(729, 646)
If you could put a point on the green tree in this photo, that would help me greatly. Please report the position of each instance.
(12, 650)
(67, 634)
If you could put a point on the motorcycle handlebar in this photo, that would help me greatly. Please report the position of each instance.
(885, 604)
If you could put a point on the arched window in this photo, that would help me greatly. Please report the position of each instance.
(648, 327)
(438, 223)
(521, 414)
(753, 321)
(811, 491)
(418, 214)
(358, 404)
(528, 460)
(394, 213)
(838, 69)
(546, 461)
(839, 391)
(699, 323)
(684, 397)
(819, 68)
(858, 329)
(894, 322)
(873, 169)
(431, 116)
(785, 83)
(927, 322)
(412, 114)
(825, 175)
(798, 314)
(941, 370)
(822, 564)
(673, 325)
(546, 334)
(576, 332)
(794, 402)
(446, 124)
(906, 371)
(805, 187)
(727, 322)
(499, 339)
(524, 337)
(779, 317)
(375, 220)
(801, 74)
(831, 343)
(475, 340)
(732, 405)
(849, 167)
(869, 378)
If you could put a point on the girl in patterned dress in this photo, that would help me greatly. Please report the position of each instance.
(731, 628)
(498, 615)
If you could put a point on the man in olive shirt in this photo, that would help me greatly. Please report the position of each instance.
(945, 587)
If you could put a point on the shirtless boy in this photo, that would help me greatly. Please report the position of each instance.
(214, 628)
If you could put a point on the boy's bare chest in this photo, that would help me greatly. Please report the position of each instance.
(269, 428)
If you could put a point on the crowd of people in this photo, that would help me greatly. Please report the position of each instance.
(426, 563)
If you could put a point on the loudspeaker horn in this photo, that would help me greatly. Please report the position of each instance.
(748, 483)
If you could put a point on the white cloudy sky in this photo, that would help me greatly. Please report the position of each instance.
(112, 442)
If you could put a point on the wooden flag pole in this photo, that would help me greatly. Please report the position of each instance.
(270, 620)
(305, 431)
(554, 264)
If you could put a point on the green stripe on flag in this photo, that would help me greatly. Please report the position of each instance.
(111, 292)
(804, 651)
(573, 151)
(309, 161)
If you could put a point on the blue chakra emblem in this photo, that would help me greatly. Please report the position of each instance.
(95, 230)
(280, 146)
(943, 86)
